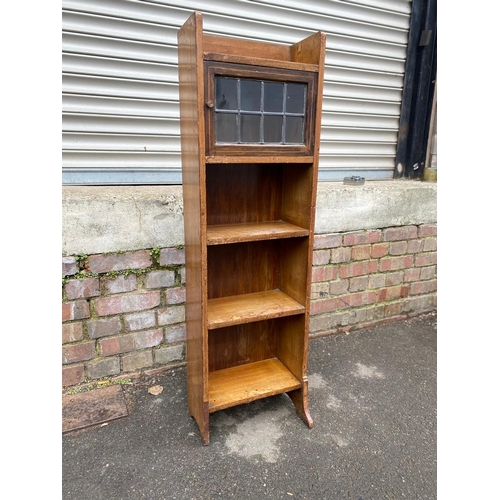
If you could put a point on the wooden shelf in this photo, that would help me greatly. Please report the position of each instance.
(245, 383)
(255, 231)
(238, 309)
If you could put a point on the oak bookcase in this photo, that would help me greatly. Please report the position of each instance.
(250, 126)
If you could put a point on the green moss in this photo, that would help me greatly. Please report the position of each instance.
(155, 255)
(82, 274)
(82, 262)
(106, 382)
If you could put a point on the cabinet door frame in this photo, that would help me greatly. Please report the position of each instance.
(263, 73)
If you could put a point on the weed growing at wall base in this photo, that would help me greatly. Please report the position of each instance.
(98, 385)
(155, 255)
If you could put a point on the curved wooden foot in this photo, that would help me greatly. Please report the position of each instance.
(203, 423)
(299, 398)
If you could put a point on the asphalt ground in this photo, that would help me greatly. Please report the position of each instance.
(372, 396)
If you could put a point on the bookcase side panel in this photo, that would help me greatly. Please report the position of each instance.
(291, 344)
(298, 182)
(293, 268)
(192, 147)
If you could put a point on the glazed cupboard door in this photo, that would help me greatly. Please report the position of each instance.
(258, 110)
(249, 127)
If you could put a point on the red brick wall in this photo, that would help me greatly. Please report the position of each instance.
(127, 314)
(362, 278)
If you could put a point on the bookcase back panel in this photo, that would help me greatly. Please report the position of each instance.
(238, 193)
(242, 268)
(241, 344)
(259, 266)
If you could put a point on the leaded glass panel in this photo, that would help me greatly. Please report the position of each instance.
(254, 111)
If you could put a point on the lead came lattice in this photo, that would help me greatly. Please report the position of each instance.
(259, 111)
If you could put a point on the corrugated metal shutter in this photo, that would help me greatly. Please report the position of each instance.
(120, 90)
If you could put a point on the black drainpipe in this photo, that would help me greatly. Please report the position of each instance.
(418, 90)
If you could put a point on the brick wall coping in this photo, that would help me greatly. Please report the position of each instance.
(100, 219)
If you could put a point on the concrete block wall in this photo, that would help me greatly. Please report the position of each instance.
(123, 313)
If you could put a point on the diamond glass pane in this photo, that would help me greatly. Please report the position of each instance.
(250, 128)
(226, 129)
(295, 98)
(294, 130)
(250, 95)
(273, 128)
(226, 96)
(273, 97)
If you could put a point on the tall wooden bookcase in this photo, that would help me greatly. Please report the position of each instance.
(250, 128)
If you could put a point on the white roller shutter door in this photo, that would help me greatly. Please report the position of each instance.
(120, 89)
